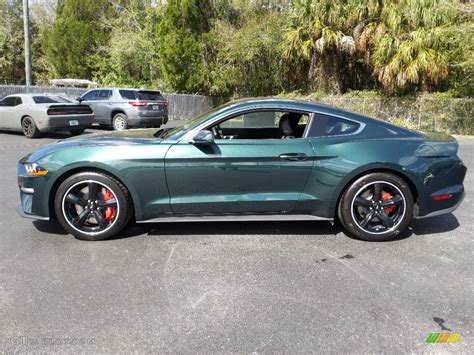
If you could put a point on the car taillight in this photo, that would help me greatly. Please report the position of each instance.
(54, 112)
(137, 103)
(442, 197)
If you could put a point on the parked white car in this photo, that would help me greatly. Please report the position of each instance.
(34, 114)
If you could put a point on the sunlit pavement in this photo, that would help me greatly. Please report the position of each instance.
(258, 287)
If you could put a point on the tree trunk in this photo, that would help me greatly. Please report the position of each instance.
(324, 74)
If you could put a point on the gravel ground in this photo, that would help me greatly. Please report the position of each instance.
(294, 287)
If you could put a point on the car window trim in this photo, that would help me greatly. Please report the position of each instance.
(93, 98)
(240, 113)
(188, 136)
(357, 131)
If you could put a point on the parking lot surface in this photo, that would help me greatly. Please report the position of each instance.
(260, 287)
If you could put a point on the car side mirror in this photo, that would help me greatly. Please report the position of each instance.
(203, 138)
(80, 99)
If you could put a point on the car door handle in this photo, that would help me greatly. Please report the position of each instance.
(293, 156)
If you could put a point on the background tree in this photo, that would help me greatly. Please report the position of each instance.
(131, 58)
(182, 36)
(77, 36)
(12, 61)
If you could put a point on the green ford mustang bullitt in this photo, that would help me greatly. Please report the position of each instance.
(258, 159)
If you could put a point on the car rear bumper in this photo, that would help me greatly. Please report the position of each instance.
(146, 121)
(444, 206)
(65, 123)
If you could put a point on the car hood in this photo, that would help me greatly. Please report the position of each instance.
(116, 136)
(128, 137)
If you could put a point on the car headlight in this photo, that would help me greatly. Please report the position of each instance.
(33, 169)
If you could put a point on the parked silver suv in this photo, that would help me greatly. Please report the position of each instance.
(124, 108)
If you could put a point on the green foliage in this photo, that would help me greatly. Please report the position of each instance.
(131, 58)
(236, 48)
(248, 56)
(11, 42)
(182, 34)
(76, 38)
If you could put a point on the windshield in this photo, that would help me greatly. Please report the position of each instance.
(166, 133)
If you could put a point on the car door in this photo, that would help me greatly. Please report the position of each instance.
(10, 116)
(102, 106)
(91, 98)
(4, 108)
(233, 176)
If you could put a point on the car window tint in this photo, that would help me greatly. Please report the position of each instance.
(252, 120)
(91, 95)
(150, 95)
(11, 101)
(49, 99)
(324, 125)
(18, 101)
(128, 94)
(104, 94)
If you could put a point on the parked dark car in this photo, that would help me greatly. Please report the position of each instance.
(262, 159)
(127, 108)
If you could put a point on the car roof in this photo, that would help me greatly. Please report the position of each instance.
(311, 106)
(33, 94)
(131, 89)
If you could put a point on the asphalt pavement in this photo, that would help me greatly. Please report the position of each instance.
(261, 287)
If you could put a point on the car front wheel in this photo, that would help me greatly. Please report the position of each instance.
(376, 207)
(93, 206)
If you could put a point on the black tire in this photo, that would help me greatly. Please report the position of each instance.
(29, 128)
(119, 122)
(363, 216)
(81, 219)
(77, 132)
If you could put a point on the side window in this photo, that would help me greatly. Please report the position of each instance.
(18, 101)
(105, 94)
(128, 94)
(252, 120)
(10, 101)
(91, 95)
(268, 124)
(324, 125)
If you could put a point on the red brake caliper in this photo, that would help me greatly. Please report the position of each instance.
(386, 196)
(110, 212)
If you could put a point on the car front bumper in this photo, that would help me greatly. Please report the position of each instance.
(33, 195)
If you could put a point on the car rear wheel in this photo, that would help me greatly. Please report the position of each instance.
(29, 128)
(376, 207)
(119, 122)
(93, 206)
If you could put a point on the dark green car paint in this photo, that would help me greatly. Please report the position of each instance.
(168, 175)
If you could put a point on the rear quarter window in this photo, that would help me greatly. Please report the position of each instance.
(143, 95)
(128, 94)
(324, 126)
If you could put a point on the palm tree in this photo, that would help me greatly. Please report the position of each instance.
(401, 42)
(322, 32)
(410, 49)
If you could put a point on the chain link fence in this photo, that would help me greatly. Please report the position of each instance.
(180, 106)
(426, 113)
